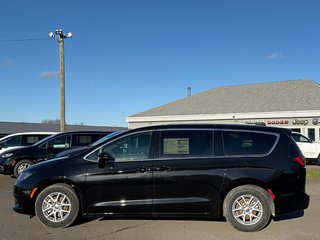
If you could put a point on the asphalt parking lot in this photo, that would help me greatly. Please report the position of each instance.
(14, 226)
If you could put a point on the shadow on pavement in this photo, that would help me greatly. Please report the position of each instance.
(293, 215)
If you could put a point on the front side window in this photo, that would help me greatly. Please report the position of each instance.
(12, 142)
(247, 143)
(133, 147)
(60, 142)
(85, 139)
(186, 143)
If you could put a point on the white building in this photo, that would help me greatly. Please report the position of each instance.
(289, 104)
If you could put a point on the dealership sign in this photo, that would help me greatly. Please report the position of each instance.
(302, 122)
(271, 122)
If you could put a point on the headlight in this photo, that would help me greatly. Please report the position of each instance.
(6, 155)
(24, 175)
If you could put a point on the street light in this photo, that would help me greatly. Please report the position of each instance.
(61, 36)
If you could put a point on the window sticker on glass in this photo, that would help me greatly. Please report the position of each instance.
(32, 139)
(176, 146)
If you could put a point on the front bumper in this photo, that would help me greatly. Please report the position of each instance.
(291, 202)
(22, 202)
(5, 168)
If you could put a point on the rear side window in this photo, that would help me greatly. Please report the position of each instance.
(32, 139)
(247, 143)
(186, 143)
(85, 139)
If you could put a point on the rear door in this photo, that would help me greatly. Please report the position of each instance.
(187, 177)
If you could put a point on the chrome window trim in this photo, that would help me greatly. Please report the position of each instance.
(277, 135)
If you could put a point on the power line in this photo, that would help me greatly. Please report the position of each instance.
(25, 40)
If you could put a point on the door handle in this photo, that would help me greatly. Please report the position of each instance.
(143, 170)
(162, 169)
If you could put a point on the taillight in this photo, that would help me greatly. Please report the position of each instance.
(300, 160)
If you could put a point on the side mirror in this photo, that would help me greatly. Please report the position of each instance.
(103, 159)
(50, 147)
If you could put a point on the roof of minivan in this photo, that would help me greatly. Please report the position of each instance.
(216, 126)
(27, 133)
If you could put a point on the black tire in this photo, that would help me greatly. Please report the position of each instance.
(21, 166)
(64, 207)
(247, 208)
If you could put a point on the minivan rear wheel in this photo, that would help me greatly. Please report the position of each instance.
(247, 208)
(57, 206)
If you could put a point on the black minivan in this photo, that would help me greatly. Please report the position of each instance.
(15, 161)
(247, 174)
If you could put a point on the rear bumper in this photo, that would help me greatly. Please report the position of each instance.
(291, 202)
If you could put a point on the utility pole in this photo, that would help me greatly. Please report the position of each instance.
(61, 36)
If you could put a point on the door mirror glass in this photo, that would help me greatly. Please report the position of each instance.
(50, 147)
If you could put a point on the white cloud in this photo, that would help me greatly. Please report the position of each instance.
(49, 74)
(275, 56)
(7, 63)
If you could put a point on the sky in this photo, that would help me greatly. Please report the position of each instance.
(128, 56)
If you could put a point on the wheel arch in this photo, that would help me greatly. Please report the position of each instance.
(58, 180)
(249, 182)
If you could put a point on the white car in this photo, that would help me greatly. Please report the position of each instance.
(17, 140)
(309, 148)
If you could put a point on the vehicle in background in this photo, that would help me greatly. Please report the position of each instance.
(309, 148)
(22, 139)
(14, 161)
(246, 174)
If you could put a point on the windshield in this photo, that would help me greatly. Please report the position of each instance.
(101, 140)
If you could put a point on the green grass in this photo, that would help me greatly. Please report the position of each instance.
(312, 174)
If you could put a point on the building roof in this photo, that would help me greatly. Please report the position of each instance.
(294, 95)
(17, 127)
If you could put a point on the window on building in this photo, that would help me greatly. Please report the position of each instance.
(312, 134)
(296, 130)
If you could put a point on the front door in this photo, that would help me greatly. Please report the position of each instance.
(125, 184)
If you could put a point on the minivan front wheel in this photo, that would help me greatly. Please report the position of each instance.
(247, 208)
(57, 206)
(21, 166)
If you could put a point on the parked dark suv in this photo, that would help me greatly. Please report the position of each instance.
(245, 173)
(14, 161)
